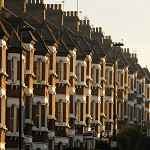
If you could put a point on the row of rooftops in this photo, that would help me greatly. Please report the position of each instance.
(47, 33)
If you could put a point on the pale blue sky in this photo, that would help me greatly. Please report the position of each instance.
(122, 19)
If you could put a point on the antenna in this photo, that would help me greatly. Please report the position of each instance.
(62, 3)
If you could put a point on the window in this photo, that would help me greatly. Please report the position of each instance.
(39, 70)
(23, 67)
(38, 115)
(79, 73)
(119, 78)
(53, 103)
(107, 110)
(119, 110)
(60, 111)
(93, 110)
(67, 112)
(129, 83)
(93, 74)
(74, 64)
(68, 70)
(3, 111)
(13, 119)
(60, 70)
(31, 59)
(46, 72)
(13, 70)
(4, 59)
(54, 61)
(78, 111)
(31, 101)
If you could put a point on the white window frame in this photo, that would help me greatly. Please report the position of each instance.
(60, 70)
(60, 111)
(39, 74)
(79, 73)
(93, 110)
(31, 60)
(78, 108)
(14, 70)
(4, 59)
(13, 118)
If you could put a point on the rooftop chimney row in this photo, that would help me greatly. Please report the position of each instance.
(37, 2)
(98, 30)
(84, 22)
(71, 13)
(57, 6)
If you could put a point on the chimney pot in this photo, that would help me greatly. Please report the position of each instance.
(128, 50)
(109, 37)
(29, 1)
(60, 6)
(84, 22)
(48, 6)
(33, 1)
(68, 13)
(37, 1)
(100, 29)
(42, 1)
(52, 6)
(56, 6)
(80, 22)
(64, 13)
(132, 54)
(88, 22)
(135, 55)
(75, 13)
(125, 50)
(97, 29)
(93, 29)
(71, 13)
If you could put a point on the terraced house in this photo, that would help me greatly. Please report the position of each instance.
(68, 73)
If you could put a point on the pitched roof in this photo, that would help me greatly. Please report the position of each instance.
(62, 48)
(3, 30)
(40, 44)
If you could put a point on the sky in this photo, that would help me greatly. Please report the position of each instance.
(122, 19)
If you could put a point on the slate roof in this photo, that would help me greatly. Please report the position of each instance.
(14, 40)
(40, 44)
(3, 31)
(80, 52)
(85, 46)
(62, 48)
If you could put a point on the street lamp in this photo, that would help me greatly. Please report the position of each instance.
(20, 112)
(115, 116)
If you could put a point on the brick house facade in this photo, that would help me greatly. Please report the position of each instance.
(68, 80)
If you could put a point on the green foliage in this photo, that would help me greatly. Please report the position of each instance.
(129, 138)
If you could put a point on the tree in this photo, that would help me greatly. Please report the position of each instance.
(129, 137)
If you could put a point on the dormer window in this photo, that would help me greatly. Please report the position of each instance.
(39, 70)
